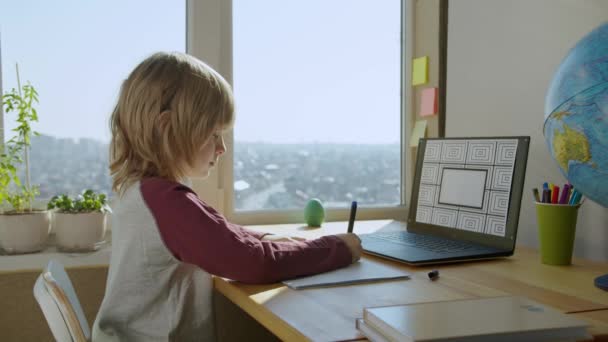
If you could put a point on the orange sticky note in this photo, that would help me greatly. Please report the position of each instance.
(420, 70)
(428, 103)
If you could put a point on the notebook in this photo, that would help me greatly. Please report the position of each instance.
(465, 202)
(497, 319)
(370, 332)
(362, 271)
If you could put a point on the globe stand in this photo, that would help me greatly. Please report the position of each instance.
(602, 282)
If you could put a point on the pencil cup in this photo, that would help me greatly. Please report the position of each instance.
(556, 230)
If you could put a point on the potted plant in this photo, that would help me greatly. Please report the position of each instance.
(79, 223)
(23, 229)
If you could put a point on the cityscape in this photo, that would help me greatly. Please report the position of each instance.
(280, 176)
(266, 176)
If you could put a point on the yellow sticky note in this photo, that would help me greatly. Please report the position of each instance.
(420, 70)
(418, 132)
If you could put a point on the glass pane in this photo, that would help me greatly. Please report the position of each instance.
(76, 54)
(317, 86)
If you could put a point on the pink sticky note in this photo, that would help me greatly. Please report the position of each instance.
(428, 104)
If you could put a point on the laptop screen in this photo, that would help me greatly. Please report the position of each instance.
(469, 188)
(462, 187)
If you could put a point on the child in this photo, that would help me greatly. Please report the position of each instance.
(166, 242)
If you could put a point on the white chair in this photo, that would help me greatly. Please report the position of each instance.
(55, 295)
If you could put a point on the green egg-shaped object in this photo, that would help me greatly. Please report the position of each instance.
(314, 213)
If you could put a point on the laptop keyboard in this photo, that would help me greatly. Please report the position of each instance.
(425, 242)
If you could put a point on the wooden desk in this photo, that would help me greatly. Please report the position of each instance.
(329, 314)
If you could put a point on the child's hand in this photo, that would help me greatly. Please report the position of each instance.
(354, 244)
(282, 238)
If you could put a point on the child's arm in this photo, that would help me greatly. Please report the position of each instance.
(282, 238)
(196, 233)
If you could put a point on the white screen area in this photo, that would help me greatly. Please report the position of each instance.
(462, 187)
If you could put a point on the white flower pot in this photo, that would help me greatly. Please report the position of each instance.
(79, 232)
(24, 233)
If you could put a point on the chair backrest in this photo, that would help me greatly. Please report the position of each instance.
(57, 299)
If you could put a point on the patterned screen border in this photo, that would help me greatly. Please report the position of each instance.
(495, 156)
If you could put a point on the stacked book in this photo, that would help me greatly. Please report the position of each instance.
(497, 319)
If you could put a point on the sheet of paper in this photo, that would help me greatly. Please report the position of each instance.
(362, 271)
(420, 70)
(418, 132)
(428, 102)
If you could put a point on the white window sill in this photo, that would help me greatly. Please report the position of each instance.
(101, 257)
(37, 261)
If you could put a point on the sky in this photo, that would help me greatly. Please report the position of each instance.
(313, 71)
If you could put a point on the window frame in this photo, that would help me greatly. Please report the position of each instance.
(41, 202)
(215, 16)
(209, 37)
(1, 94)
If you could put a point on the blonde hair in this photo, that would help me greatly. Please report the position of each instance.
(168, 108)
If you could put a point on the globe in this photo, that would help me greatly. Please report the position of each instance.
(576, 116)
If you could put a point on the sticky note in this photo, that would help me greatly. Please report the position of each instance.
(420, 70)
(418, 132)
(428, 102)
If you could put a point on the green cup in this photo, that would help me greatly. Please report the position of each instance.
(556, 230)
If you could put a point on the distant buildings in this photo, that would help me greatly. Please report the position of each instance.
(62, 165)
(286, 176)
(266, 176)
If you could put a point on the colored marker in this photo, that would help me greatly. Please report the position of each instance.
(555, 194)
(536, 194)
(563, 199)
(570, 193)
(576, 198)
(546, 196)
(573, 197)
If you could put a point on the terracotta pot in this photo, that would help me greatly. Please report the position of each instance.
(78, 232)
(24, 233)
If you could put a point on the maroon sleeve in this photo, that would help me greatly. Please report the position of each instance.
(195, 233)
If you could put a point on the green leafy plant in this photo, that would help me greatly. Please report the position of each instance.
(87, 202)
(19, 195)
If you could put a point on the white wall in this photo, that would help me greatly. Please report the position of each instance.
(501, 58)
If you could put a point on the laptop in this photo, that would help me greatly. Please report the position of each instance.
(465, 202)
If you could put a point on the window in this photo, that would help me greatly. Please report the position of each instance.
(318, 94)
(76, 54)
